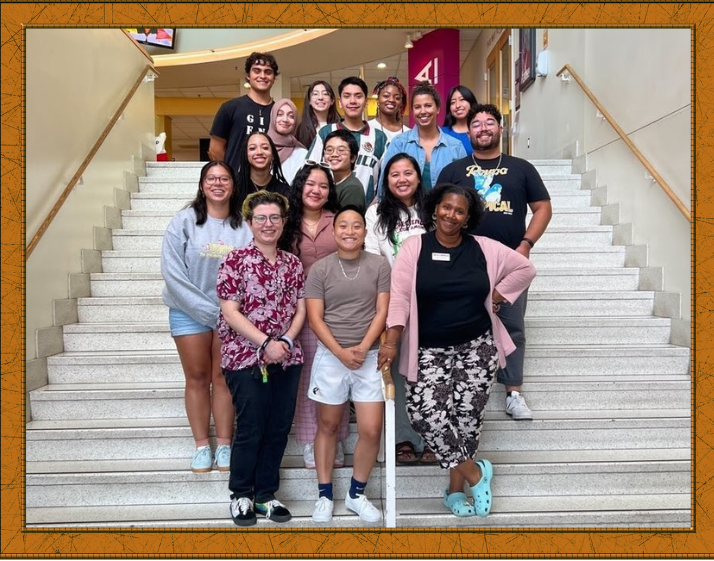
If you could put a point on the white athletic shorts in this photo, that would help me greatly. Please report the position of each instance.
(332, 383)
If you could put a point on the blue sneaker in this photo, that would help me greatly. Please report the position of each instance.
(223, 457)
(202, 460)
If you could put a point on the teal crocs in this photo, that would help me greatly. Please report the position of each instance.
(458, 504)
(481, 492)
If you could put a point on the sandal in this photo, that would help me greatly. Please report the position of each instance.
(482, 490)
(458, 504)
(428, 457)
(406, 454)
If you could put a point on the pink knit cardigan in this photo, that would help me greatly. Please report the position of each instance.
(509, 272)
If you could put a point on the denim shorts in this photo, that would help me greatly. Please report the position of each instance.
(181, 323)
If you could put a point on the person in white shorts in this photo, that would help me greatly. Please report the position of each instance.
(347, 297)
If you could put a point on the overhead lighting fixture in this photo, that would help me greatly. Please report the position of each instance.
(382, 65)
(408, 43)
(418, 35)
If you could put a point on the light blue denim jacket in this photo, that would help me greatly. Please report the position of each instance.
(446, 151)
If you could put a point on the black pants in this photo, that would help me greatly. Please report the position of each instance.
(264, 412)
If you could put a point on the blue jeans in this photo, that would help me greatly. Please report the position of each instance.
(264, 412)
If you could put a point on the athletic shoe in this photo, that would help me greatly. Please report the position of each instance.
(308, 455)
(339, 455)
(273, 510)
(516, 407)
(323, 510)
(202, 460)
(242, 512)
(363, 508)
(223, 457)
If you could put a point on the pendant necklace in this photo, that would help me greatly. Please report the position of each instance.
(498, 164)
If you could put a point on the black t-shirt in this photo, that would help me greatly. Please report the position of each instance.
(506, 192)
(273, 185)
(235, 120)
(451, 286)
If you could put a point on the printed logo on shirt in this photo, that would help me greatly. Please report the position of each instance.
(478, 170)
(490, 193)
(216, 250)
(368, 147)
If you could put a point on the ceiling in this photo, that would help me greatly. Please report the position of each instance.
(331, 57)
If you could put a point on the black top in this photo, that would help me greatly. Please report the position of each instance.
(452, 286)
(506, 192)
(273, 185)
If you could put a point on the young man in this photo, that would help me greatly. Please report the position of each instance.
(241, 116)
(372, 142)
(341, 152)
(508, 186)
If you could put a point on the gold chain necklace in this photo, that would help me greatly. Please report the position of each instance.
(359, 266)
(498, 164)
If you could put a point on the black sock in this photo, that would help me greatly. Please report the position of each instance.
(325, 490)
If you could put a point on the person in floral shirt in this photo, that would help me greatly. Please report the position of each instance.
(261, 291)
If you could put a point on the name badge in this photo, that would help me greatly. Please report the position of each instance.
(440, 257)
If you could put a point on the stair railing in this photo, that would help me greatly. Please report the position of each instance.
(149, 68)
(390, 505)
(568, 70)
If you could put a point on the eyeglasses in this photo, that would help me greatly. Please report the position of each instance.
(342, 151)
(323, 165)
(490, 123)
(211, 179)
(262, 218)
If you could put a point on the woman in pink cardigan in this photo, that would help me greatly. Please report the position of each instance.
(446, 287)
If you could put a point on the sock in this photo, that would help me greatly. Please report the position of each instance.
(325, 490)
(356, 488)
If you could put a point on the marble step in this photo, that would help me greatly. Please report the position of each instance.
(144, 439)
(581, 361)
(166, 399)
(624, 511)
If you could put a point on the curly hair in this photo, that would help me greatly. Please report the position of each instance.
(307, 129)
(290, 240)
(484, 108)
(244, 183)
(434, 198)
(425, 88)
(392, 81)
(468, 95)
(199, 204)
(261, 58)
(390, 208)
(264, 197)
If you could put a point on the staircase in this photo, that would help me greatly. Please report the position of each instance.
(110, 445)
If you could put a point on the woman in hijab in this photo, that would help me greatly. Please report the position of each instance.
(283, 124)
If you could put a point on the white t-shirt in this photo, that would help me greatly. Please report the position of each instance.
(389, 134)
(376, 240)
(293, 164)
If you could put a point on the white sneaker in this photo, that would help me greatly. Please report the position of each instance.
(339, 455)
(308, 455)
(363, 508)
(516, 407)
(323, 510)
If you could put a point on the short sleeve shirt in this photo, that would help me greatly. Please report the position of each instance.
(349, 289)
(267, 294)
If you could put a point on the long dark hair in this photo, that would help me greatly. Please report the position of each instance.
(449, 119)
(307, 130)
(390, 208)
(199, 203)
(291, 232)
(244, 183)
(476, 208)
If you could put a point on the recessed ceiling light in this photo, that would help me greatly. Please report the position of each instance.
(382, 65)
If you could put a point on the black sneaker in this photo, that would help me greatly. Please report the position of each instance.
(242, 512)
(273, 510)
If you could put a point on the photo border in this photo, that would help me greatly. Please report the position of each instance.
(17, 541)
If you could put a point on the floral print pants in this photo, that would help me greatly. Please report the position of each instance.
(446, 406)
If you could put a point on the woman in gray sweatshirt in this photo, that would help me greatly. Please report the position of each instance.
(195, 243)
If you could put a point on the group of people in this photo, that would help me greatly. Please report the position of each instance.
(309, 241)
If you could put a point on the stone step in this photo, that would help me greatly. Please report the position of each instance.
(117, 310)
(134, 261)
(575, 199)
(653, 511)
(510, 480)
(582, 361)
(547, 432)
(589, 216)
(166, 399)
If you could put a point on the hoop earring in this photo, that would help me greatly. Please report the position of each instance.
(433, 216)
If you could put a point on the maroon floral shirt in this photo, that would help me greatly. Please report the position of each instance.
(267, 295)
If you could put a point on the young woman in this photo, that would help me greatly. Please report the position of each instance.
(308, 235)
(391, 103)
(458, 103)
(447, 287)
(318, 110)
(261, 290)
(426, 142)
(259, 167)
(347, 295)
(397, 217)
(195, 242)
(283, 124)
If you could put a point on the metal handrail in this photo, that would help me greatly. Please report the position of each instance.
(626, 139)
(83, 166)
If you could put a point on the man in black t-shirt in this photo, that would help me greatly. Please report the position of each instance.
(508, 186)
(239, 117)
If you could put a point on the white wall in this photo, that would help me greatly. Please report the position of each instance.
(643, 78)
(76, 79)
